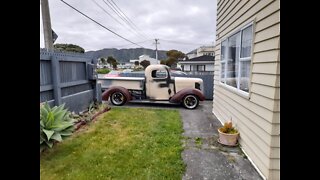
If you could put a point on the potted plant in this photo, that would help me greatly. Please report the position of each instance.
(228, 135)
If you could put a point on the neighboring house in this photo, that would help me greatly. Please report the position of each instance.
(202, 50)
(126, 65)
(198, 65)
(146, 57)
(192, 54)
(247, 78)
(205, 50)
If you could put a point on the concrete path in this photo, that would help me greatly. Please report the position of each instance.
(204, 156)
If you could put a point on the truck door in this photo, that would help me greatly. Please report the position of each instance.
(159, 85)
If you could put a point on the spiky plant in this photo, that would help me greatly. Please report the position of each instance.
(55, 124)
(228, 128)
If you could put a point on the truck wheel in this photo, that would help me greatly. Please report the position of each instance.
(190, 101)
(118, 98)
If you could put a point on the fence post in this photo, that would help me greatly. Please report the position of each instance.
(55, 69)
(97, 92)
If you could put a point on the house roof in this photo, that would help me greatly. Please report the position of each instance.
(201, 58)
(193, 52)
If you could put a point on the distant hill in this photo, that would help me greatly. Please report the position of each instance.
(124, 55)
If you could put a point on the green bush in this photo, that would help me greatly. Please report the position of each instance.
(55, 124)
(103, 71)
(138, 69)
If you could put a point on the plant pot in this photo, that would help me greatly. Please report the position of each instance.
(228, 139)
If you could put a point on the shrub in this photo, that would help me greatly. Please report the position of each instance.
(55, 124)
(138, 69)
(103, 71)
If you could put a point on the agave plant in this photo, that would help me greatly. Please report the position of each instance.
(55, 124)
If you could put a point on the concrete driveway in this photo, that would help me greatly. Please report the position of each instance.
(205, 158)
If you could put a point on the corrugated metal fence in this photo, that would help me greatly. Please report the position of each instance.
(207, 81)
(68, 78)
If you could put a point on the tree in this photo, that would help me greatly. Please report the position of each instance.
(173, 57)
(103, 60)
(68, 48)
(175, 54)
(136, 63)
(111, 60)
(163, 61)
(145, 63)
(170, 61)
(114, 64)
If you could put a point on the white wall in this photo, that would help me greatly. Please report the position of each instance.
(209, 67)
(145, 57)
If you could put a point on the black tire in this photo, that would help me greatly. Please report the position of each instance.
(190, 101)
(118, 98)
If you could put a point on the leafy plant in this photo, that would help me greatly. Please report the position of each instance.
(55, 124)
(228, 128)
(103, 71)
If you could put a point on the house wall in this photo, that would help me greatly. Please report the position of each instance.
(256, 115)
(209, 67)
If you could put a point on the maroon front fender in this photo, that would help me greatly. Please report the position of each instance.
(179, 95)
(106, 94)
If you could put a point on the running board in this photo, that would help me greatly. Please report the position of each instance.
(149, 101)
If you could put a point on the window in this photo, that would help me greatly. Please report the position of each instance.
(236, 59)
(159, 73)
(201, 67)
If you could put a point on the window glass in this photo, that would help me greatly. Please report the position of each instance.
(223, 50)
(161, 73)
(246, 42)
(245, 73)
(233, 59)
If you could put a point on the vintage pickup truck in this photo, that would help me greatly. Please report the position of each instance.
(158, 86)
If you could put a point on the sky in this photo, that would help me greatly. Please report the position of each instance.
(183, 25)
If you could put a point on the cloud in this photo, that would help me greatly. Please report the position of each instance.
(181, 21)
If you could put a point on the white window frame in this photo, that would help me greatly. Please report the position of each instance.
(204, 67)
(236, 89)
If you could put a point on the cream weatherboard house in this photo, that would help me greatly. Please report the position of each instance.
(247, 77)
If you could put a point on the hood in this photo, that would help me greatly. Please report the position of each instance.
(185, 82)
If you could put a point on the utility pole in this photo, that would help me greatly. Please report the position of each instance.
(47, 31)
(157, 48)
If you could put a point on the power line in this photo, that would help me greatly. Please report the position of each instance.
(107, 12)
(127, 17)
(110, 15)
(123, 19)
(100, 24)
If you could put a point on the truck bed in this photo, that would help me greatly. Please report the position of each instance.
(134, 83)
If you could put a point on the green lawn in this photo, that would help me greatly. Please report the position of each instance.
(124, 143)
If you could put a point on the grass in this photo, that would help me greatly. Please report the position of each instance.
(125, 143)
(198, 142)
